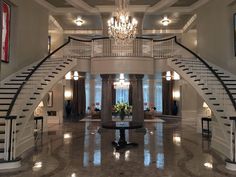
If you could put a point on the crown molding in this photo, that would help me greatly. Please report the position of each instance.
(54, 10)
(166, 31)
(79, 4)
(84, 32)
(131, 8)
(189, 9)
(55, 22)
(161, 5)
(189, 23)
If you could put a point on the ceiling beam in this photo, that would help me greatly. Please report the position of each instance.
(189, 23)
(55, 10)
(84, 32)
(189, 9)
(161, 5)
(132, 8)
(55, 22)
(79, 4)
(166, 31)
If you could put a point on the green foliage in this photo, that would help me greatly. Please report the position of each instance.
(120, 107)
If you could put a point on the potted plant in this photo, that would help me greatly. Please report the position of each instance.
(122, 109)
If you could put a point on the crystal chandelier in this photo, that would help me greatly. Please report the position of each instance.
(121, 84)
(121, 26)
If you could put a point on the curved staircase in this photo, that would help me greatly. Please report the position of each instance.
(218, 89)
(21, 93)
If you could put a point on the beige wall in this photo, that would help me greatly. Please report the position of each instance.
(189, 39)
(28, 37)
(215, 33)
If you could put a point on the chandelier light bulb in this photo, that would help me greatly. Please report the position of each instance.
(122, 27)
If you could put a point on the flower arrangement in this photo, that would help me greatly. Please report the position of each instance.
(122, 109)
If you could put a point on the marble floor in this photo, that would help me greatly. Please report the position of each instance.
(80, 149)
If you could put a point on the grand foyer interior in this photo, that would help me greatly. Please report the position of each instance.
(98, 61)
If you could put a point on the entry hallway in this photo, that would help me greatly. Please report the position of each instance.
(80, 149)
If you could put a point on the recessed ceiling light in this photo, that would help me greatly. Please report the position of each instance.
(79, 21)
(165, 21)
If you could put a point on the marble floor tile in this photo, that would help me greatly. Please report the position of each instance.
(81, 149)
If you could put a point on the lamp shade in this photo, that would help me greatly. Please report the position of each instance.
(205, 105)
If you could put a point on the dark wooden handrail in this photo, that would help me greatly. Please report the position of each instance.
(35, 68)
(211, 69)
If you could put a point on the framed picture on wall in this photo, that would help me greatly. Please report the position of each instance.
(50, 99)
(5, 31)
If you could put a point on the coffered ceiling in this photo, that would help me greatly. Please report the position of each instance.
(180, 12)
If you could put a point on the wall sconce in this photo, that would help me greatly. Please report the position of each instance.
(68, 76)
(68, 95)
(174, 76)
(74, 75)
(206, 107)
(176, 95)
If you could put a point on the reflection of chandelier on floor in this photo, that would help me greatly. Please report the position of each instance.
(121, 26)
(121, 84)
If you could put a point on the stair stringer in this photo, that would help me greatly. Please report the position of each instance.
(23, 137)
(223, 143)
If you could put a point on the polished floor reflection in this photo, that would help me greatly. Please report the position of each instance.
(81, 149)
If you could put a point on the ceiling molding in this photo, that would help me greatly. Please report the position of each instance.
(55, 22)
(189, 9)
(82, 5)
(55, 10)
(84, 32)
(189, 23)
(166, 31)
(161, 5)
(131, 8)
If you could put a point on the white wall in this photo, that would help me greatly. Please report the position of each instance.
(215, 33)
(28, 37)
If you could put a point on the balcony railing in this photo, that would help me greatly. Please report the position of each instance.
(107, 47)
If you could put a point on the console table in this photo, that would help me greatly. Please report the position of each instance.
(122, 126)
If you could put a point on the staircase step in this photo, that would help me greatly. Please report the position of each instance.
(223, 117)
(178, 62)
(51, 76)
(58, 69)
(220, 110)
(21, 117)
(36, 93)
(201, 84)
(39, 88)
(197, 80)
(216, 104)
(33, 98)
(69, 60)
(204, 88)
(62, 66)
(189, 72)
(212, 98)
(55, 72)
(193, 76)
(29, 104)
(185, 69)
(9, 88)
(208, 93)
(181, 66)
(25, 110)
(12, 83)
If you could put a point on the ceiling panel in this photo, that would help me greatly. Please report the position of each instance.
(184, 3)
(112, 2)
(59, 3)
(152, 22)
(92, 22)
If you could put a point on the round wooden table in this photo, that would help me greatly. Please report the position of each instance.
(122, 126)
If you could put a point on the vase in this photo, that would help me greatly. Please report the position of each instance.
(122, 114)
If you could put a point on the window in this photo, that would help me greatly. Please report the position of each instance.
(122, 95)
(5, 31)
(146, 94)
